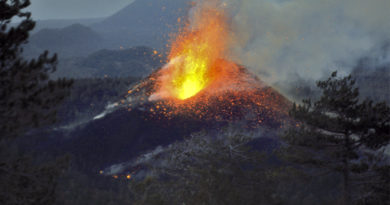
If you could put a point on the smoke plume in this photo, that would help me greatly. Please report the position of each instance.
(284, 39)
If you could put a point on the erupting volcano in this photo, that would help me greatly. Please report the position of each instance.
(194, 59)
(200, 81)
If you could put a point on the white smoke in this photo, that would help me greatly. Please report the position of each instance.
(278, 39)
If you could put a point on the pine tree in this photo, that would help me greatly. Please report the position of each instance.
(28, 99)
(339, 132)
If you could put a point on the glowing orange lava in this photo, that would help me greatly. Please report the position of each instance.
(195, 53)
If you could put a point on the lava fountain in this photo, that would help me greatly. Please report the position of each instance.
(196, 53)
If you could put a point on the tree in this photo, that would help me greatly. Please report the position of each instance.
(22, 181)
(339, 132)
(28, 98)
(207, 170)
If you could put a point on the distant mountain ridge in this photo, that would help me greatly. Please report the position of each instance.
(74, 40)
(62, 23)
(147, 13)
(144, 22)
(73, 34)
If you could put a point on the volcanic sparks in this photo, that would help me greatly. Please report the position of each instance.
(201, 82)
(195, 53)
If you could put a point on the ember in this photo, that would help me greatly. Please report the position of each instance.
(195, 53)
(200, 81)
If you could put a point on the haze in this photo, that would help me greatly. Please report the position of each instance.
(75, 9)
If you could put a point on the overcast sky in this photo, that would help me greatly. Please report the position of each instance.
(73, 9)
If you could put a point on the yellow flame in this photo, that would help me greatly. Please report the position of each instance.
(191, 78)
(194, 54)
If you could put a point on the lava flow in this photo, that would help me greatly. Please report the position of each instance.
(201, 82)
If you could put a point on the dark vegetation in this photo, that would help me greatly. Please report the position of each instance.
(332, 153)
(317, 164)
(340, 134)
(135, 62)
(89, 97)
(27, 100)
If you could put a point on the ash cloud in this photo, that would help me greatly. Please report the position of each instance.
(306, 39)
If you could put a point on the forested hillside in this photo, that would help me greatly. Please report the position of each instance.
(89, 97)
(132, 62)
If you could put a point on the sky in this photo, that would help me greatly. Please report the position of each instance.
(75, 9)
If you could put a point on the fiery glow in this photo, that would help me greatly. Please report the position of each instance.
(195, 53)
(201, 82)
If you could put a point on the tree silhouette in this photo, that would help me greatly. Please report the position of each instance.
(28, 98)
(340, 133)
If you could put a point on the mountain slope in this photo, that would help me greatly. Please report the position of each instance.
(126, 131)
(144, 22)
